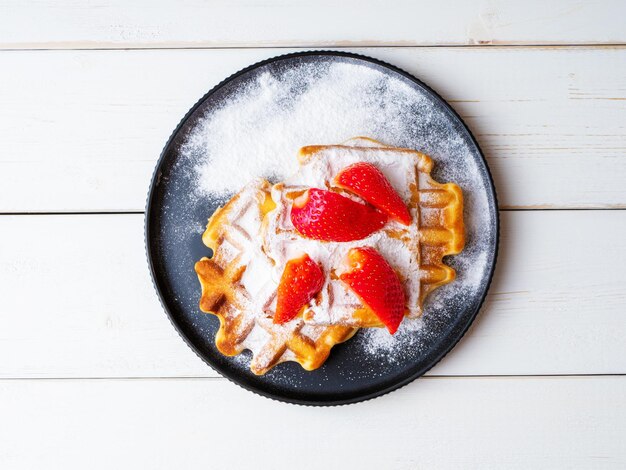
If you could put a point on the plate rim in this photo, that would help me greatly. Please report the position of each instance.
(148, 229)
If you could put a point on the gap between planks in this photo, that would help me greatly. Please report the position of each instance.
(337, 45)
(502, 209)
(424, 377)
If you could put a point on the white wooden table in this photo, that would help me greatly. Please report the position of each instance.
(92, 375)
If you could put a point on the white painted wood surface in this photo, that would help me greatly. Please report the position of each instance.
(87, 132)
(435, 423)
(80, 131)
(227, 23)
(544, 314)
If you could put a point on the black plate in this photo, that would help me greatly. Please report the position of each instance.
(363, 367)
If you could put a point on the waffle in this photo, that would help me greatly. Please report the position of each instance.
(416, 252)
(238, 289)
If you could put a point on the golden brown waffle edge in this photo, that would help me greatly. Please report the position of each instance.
(224, 296)
(441, 233)
(439, 208)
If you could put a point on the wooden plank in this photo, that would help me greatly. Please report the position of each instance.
(81, 130)
(556, 305)
(119, 24)
(513, 423)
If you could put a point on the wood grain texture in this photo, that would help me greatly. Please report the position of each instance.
(82, 130)
(480, 423)
(77, 300)
(121, 24)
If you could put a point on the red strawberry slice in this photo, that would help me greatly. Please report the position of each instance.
(368, 182)
(324, 215)
(376, 284)
(301, 280)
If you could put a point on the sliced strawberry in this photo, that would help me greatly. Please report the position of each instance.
(301, 280)
(324, 215)
(368, 182)
(376, 284)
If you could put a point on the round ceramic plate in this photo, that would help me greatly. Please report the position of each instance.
(252, 124)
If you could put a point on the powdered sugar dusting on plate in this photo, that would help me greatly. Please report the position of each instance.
(259, 127)
(260, 130)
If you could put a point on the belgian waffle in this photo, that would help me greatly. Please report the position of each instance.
(238, 289)
(416, 252)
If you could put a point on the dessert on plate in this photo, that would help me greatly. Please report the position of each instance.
(355, 239)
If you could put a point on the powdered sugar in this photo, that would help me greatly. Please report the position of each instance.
(262, 128)
(258, 129)
(397, 243)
